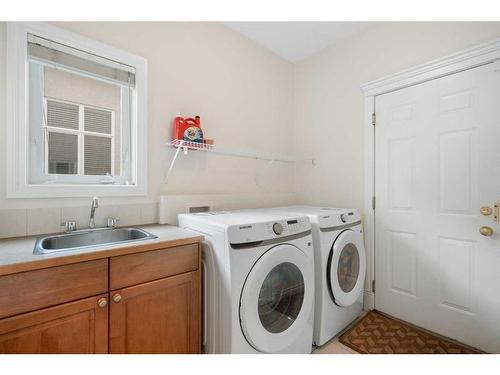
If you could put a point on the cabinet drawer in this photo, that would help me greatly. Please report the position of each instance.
(138, 268)
(32, 290)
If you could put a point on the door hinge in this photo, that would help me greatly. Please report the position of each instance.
(373, 286)
(374, 118)
(373, 202)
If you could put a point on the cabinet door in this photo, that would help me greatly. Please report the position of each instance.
(162, 316)
(79, 327)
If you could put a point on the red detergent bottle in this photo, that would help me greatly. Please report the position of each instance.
(187, 129)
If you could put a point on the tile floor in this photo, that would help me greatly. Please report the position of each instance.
(334, 347)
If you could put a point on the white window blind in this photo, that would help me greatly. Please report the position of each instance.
(62, 115)
(97, 120)
(97, 155)
(62, 153)
(47, 51)
(80, 139)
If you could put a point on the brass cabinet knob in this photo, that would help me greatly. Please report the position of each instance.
(117, 298)
(486, 231)
(102, 302)
(486, 211)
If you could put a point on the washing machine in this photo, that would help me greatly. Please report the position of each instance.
(340, 267)
(258, 285)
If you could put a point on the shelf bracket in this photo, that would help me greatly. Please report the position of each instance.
(172, 163)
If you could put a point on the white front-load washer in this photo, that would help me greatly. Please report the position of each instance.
(258, 281)
(340, 267)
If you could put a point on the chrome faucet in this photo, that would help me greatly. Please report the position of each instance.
(95, 204)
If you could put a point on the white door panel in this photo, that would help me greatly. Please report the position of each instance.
(437, 162)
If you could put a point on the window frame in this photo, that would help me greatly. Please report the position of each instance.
(17, 129)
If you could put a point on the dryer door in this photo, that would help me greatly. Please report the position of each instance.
(346, 268)
(277, 299)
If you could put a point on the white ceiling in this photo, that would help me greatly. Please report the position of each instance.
(296, 41)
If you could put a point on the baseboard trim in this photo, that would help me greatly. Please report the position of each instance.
(368, 300)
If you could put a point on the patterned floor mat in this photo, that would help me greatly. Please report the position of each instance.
(378, 334)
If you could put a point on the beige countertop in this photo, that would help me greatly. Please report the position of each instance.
(16, 254)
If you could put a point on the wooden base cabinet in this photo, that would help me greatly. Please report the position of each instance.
(161, 316)
(79, 327)
(146, 302)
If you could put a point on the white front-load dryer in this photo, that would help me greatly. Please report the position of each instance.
(340, 267)
(258, 281)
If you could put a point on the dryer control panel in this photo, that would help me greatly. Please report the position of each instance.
(258, 232)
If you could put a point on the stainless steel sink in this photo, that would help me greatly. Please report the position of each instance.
(89, 238)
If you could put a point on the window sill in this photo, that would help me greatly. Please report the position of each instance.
(74, 191)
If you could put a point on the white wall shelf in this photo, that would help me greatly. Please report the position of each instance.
(235, 152)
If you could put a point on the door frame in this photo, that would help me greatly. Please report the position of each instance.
(481, 54)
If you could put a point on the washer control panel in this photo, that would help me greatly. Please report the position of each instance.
(337, 217)
(288, 227)
(277, 228)
(240, 234)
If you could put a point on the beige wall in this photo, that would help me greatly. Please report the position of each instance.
(243, 93)
(250, 98)
(329, 105)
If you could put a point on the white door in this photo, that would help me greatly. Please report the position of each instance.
(277, 299)
(437, 163)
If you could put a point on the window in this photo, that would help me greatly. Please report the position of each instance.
(82, 110)
(73, 106)
(80, 139)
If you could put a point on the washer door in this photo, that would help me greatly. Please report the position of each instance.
(277, 298)
(346, 268)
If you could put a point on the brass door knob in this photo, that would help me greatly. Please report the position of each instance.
(102, 302)
(117, 298)
(486, 211)
(486, 231)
